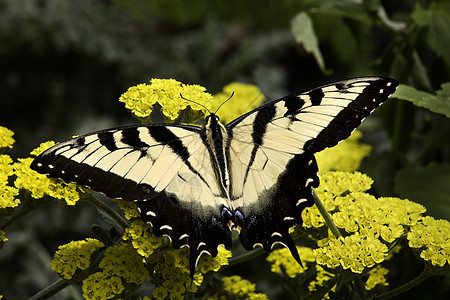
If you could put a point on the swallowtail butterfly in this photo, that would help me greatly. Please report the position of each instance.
(195, 184)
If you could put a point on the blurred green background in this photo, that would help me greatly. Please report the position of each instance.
(64, 64)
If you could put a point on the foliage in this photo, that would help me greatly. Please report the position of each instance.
(64, 62)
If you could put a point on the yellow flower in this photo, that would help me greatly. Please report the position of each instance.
(171, 268)
(6, 137)
(283, 262)
(121, 267)
(73, 256)
(339, 182)
(101, 286)
(39, 184)
(377, 277)
(208, 263)
(169, 94)
(7, 192)
(138, 99)
(7, 195)
(235, 287)
(432, 237)
(246, 97)
(6, 168)
(42, 147)
(353, 210)
(160, 292)
(141, 237)
(123, 261)
(129, 208)
(346, 156)
(354, 252)
(3, 238)
(332, 186)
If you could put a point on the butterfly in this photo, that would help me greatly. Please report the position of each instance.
(196, 184)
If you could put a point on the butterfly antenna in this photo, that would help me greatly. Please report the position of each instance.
(224, 102)
(195, 103)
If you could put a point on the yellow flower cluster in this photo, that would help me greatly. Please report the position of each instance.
(98, 286)
(73, 256)
(355, 252)
(373, 223)
(333, 184)
(121, 268)
(8, 193)
(171, 270)
(246, 97)
(283, 262)
(369, 225)
(385, 218)
(6, 137)
(171, 267)
(353, 210)
(338, 158)
(42, 147)
(169, 94)
(377, 277)
(141, 237)
(432, 238)
(129, 208)
(39, 184)
(235, 287)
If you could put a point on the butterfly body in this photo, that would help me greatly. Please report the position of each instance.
(195, 184)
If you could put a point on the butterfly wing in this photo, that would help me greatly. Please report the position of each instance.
(271, 154)
(166, 170)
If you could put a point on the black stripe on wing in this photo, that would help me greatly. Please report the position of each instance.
(108, 183)
(53, 163)
(345, 122)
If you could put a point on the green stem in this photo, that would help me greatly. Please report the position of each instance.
(245, 256)
(51, 290)
(359, 286)
(323, 211)
(100, 205)
(407, 286)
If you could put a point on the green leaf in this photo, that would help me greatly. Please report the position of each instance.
(436, 20)
(342, 9)
(428, 186)
(439, 103)
(303, 31)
